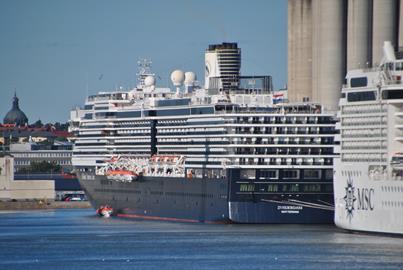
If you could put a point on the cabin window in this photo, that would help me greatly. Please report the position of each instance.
(290, 174)
(173, 112)
(329, 174)
(312, 174)
(392, 94)
(268, 174)
(361, 96)
(248, 174)
(205, 110)
(359, 82)
(128, 114)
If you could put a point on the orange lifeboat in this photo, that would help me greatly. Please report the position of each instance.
(104, 211)
(124, 175)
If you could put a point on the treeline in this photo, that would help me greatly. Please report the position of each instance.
(49, 126)
(41, 167)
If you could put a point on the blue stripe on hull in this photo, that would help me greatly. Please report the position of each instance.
(267, 212)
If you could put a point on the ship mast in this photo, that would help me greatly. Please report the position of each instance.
(144, 66)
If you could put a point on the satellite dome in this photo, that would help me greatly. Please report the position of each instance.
(190, 78)
(149, 80)
(15, 115)
(177, 77)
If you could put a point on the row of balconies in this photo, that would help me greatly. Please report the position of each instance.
(284, 151)
(286, 161)
(284, 120)
(283, 141)
(285, 130)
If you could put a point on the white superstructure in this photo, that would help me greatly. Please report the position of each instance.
(213, 130)
(368, 181)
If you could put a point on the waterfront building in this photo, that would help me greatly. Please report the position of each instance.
(11, 189)
(28, 153)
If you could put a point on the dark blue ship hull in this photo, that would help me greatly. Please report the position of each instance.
(161, 198)
(296, 201)
(229, 199)
(277, 212)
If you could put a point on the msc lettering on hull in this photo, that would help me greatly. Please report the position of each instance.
(358, 199)
(365, 199)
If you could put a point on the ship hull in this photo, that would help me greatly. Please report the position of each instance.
(261, 206)
(201, 200)
(277, 213)
(364, 204)
(161, 198)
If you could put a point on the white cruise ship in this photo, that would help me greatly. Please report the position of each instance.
(368, 182)
(252, 158)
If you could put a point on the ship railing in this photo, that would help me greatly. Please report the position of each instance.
(275, 111)
(394, 82)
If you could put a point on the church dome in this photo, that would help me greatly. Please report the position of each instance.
(15, 115)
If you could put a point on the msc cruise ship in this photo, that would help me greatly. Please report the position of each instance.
(368, 181)
(241, 153)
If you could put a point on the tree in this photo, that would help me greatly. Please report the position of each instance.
(38, 124)
(42, 167)
(57, 125)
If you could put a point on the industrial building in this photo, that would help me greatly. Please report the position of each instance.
(326, 38)
(11, 189)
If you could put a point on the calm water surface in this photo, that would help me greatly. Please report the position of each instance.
(76, 239)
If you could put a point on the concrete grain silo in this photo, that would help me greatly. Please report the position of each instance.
(359, 34)
(329, 51)
(401, 25)
(299, 50)
(384, 27)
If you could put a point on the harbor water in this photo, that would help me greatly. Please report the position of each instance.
(77, 239)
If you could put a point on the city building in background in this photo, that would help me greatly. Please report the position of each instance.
(27, 154)
(36, 152)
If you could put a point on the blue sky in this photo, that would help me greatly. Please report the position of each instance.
(50, 50)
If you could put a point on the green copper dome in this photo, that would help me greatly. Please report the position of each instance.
(15, 115)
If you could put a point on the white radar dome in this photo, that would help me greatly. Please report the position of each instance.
(177, 77)
(190, 78)
(149, 80)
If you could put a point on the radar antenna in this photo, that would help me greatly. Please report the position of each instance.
(144, 66)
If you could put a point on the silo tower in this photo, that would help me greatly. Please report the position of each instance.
(329, 51)
(359, 34)
(384, 27)
(299, 50)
